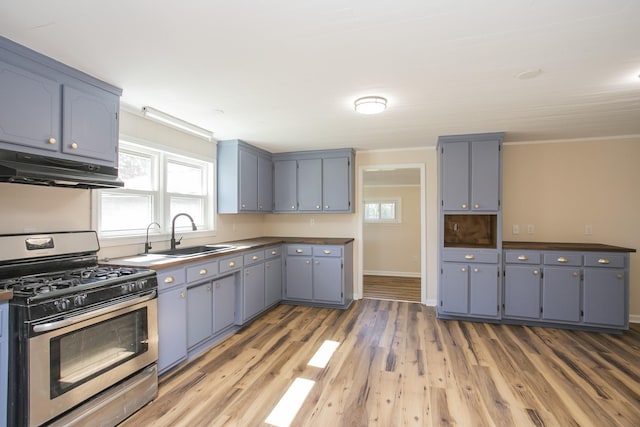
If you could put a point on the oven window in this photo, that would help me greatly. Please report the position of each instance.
(81, 355)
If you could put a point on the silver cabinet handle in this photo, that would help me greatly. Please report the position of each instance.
(307, 262)
(562, 259)
(603, 261)
(574, 274)
(260, 207)
(232, 263)
(218, 285)
(183, 294)
(52, 140)
(469, 256)
(255, 257)
(463, 269)
(293, 206)
(523, 258)
(317, 206)
(298, 251)
(273, 252)
(475, 270)
(74, 145)
(203, 271)
(620, 276)
(464, 206)
(536, 272)
(327, 251)
(169, 279)
(209, 288)
(476, 206)
(326, 206)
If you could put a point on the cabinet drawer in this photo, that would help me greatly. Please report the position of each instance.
(230, 264)
(604, 260)
(171, 277)
(305, 250)
(471, 257)
(522, 257)
(559, 258)
(202, 271)
(276, 251)
(329, 251)
(253, 257)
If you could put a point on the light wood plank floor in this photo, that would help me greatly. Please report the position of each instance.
(397, 365)
(391, 288)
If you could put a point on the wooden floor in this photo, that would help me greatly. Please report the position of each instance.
(399, 366)
(391, 288)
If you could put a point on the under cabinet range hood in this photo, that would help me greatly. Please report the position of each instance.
(39, 170)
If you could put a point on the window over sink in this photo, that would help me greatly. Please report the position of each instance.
(158, 185)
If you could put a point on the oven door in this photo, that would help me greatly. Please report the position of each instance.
(75, 358)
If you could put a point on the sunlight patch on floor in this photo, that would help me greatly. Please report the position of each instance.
(324, 353)
(289, 405)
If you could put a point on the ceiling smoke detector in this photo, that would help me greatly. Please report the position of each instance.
(370, 105)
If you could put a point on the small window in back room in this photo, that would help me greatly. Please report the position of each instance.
(158, 185)
(382, 211)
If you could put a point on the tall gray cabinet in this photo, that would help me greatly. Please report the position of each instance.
(470, 225)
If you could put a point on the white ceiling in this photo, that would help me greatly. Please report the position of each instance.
(283, 74)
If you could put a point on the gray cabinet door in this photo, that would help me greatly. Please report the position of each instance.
(29, 109)
(285, 185)
(90, 124)
(561, 294)
(455, 176)
(483, 290)
(199, 313)
(299, 278)
(522, 291)
(310, 185)
(485, 175)
(265, 184)
(335, 184)
(454, 288)
(273, 280)
(253, 295)
(604, 296)
(248, 191)
(327, 279)
(172, 328)
(224, 302)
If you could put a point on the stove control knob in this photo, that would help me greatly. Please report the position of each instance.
(141, 284)
(62, 304)
(79, 300)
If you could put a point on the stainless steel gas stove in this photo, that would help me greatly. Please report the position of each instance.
(83, 336)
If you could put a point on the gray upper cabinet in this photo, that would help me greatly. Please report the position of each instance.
(471, 171)
(245, 178)
(314, 181)
(49, 109)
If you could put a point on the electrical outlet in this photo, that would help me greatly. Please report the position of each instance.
(588, 230)
(530, 229)
(515, 229)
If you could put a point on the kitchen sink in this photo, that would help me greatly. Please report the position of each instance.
(193, 250)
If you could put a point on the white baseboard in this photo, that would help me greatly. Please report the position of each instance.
(431, 303)
(390, 273)
(634, 318)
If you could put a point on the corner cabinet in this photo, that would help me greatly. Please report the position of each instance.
(314, 181)
(49, 109)
(245, 178)
(320, 275)
(581, 287)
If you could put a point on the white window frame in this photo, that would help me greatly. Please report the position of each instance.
(398, 211)
(160, 156)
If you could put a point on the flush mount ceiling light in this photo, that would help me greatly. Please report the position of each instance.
(370, 105)
(177, 123)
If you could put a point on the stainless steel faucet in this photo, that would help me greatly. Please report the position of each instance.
(147, 245)
(173, 229)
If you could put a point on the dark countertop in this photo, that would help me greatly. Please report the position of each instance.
(557, 246)
(161, 262)
(6, 295)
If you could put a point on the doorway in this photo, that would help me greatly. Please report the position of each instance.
(393, 221)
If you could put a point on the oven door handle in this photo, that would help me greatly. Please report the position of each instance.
(46, 327)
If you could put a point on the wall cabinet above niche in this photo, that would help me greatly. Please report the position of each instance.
(49, 109)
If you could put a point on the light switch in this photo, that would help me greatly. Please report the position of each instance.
(530, 229)
(515, 229)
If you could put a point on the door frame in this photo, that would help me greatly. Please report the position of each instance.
(358, 291)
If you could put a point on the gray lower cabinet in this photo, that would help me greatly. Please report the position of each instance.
(319, 274)
(253, 294)
(273, 275)
(49, 109)
(571, 289)
(199, 313)
(224, 303)
(469, 284)
(172, 318)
